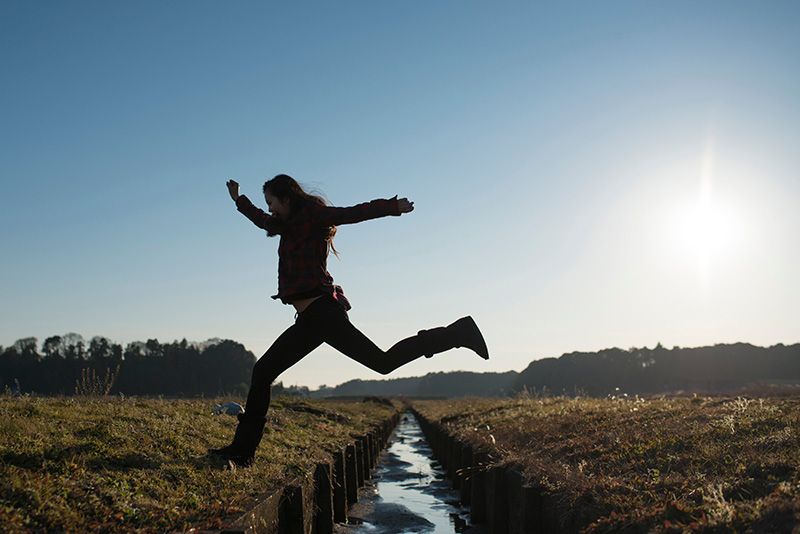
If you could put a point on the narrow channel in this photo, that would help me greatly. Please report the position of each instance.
(408, 492)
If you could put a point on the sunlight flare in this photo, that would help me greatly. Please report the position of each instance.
(705, 227)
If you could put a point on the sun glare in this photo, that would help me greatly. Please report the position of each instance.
(706, 228)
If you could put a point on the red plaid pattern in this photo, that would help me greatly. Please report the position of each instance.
(303, 248)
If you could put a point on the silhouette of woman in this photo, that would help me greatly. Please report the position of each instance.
(306, 226)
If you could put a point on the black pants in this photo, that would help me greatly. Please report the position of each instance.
(325, 321)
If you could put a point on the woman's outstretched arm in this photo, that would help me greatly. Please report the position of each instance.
(405, 205)
(335, 216)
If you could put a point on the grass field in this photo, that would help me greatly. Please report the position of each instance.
(104, 464)
(645, 465)
(78, 464)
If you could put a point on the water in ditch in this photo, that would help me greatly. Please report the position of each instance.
(408, 491)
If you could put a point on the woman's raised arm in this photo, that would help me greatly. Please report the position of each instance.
(233, 189)
(256, 215)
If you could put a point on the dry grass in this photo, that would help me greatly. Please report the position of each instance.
(141, 465)
(646, 465)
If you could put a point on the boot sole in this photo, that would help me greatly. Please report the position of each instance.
(239, 459)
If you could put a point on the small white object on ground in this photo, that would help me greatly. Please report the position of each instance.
(229, 408)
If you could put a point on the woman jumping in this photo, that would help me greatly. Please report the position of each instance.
(307, 225)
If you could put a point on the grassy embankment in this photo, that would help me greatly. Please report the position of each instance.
(128, 464)
(655, 465)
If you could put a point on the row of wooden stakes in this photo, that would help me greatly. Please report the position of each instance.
(497, 495)
(314, 503)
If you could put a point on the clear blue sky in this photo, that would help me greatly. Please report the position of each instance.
(586, 174)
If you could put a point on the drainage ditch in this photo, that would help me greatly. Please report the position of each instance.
(408, 491)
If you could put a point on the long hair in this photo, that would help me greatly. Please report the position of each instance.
(286, 188)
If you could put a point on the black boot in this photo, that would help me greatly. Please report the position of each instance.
(462, 333)
(245, 441)
(468, 335)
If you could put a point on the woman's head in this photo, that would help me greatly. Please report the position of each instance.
(289, 193)
(285, 196)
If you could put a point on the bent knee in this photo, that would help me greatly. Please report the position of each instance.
(384, 369)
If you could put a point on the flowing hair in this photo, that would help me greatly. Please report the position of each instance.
(286, 188)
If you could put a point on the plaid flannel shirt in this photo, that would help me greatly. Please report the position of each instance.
(303, 248)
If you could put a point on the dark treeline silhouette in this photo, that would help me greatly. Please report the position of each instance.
(218, 367)
(714, 369)
(454, 384)
(642, 371)
(211, 368)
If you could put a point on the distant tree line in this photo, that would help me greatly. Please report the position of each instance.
(714, 369)
(212, 368)
(453, 384)
(636, 371)
(218, 367)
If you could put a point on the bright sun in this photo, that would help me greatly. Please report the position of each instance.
(706, 228)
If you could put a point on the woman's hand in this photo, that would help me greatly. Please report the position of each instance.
(233, 189)
(405, 205)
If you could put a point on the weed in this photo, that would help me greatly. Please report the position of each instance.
(91, 385)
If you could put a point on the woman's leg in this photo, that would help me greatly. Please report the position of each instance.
(350, 341)
(290, 347)
(331, 320)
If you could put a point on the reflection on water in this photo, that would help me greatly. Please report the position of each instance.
(409, 475)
